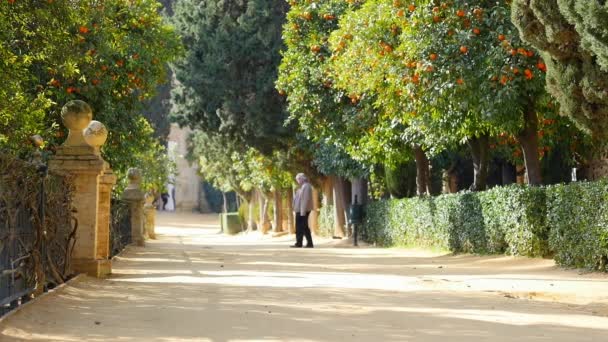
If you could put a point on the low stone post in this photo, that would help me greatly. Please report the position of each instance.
(79, 157)
(150, 214)
(135, 197)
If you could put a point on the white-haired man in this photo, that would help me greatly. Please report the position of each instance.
(302, 205)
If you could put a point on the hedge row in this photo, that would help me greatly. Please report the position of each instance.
(567, 222)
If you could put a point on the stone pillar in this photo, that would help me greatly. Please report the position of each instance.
(79, 157)
(135, 197)
(150, 215)
(106, 183)
(95, 135)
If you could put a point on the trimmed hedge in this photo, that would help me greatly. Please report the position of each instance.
(569, 222)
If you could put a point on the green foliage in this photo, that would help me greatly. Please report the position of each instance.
(328, 117)
(327, 221)
(226, 80)
(111, 55)
(509, 219)
(572, 36)
(578, 217)
(567, 221)
(401, 179)
(440, 72)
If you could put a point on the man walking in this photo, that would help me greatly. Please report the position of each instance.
(302, 205)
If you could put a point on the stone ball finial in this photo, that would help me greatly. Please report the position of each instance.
(37, 140)
(76, 116)
(134, 176)
(95, 134)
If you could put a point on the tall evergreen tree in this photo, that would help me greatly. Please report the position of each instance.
(226, 81)
(572, 36)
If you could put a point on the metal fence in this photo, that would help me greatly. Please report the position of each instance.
(120, 228)
(37, 230)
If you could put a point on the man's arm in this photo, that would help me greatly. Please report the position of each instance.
(305, 197)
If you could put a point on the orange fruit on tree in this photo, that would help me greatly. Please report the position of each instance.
(464, 49)
(501, 37)
(416, 79)
(460, 81)
(528, 73)
(477, 31)
(411, 7)
(436, 19)
(460, 13)
(400, 13)
(433, 56)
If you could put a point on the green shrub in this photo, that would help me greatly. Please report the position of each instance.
(515, 220)
(326, 221)
(567, 221)
(578, 217)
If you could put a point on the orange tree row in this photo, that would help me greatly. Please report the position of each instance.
(416, 78)
(111, 54)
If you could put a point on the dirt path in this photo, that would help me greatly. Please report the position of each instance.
(193, 284)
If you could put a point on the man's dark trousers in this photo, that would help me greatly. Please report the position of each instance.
(302, 229)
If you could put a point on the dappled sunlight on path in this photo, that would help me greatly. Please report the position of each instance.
(193, 284)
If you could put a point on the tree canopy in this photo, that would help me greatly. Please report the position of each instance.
(111, 54)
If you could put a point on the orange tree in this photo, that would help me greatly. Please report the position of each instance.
(363, 65)
(328, 117)
(455, 71)
(110, 54)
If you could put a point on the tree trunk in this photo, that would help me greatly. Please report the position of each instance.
(328, 191)
(481, 161)
(422, 171)
(225, 208)
(509, 173)
(249, 198)
(264, 219)
(290, 214)
(278, 211)
(313, 219)
(450, 180)
(339, 207)
(528, 138)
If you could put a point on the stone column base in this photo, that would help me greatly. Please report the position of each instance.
(93, 268)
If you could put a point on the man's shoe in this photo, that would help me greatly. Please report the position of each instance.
(310, 246)
(295, 246)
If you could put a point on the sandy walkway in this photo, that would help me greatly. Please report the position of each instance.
(196, 285)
